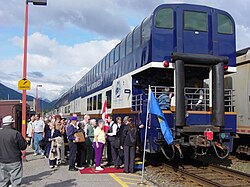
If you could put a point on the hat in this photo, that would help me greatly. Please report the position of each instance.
(7, 120)
(73, 118)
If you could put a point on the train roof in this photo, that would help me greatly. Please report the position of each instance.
(243, 56)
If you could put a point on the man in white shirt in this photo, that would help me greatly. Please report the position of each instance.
(38, 134)
(112, 152)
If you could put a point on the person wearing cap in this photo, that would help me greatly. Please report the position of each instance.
(12, 142)
(71, 130)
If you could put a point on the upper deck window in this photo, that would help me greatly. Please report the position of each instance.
(225, 25)
(107, 61)
(117, 53)
(146, 30)
(197, 21)
(137, 37)
(111, 56)
(122, 49)
(129, 46)
(164, 18)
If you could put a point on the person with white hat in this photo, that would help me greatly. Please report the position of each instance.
(12, 142)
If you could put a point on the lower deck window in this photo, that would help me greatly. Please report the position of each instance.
(109, 96)
(99, 102)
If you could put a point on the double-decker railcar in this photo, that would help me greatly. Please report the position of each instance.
(182, 50)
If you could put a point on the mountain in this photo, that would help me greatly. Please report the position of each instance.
(7, 93)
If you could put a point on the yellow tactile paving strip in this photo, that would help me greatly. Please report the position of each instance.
(129, 180)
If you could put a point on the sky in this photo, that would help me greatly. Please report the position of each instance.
(68, 37)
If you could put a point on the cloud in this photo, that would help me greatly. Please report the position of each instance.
(100, 17)
(35, 74)
(57, 67)
(243, 36)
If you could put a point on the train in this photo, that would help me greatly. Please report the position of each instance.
(240, 83)
(13, 108)
(183, 51)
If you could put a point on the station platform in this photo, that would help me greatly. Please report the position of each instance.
(38, 174)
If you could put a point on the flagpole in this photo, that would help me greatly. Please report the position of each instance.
(145, 139)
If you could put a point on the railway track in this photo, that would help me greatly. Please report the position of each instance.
(185, 175)
(217, 176)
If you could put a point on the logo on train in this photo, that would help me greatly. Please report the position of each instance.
(118, 89)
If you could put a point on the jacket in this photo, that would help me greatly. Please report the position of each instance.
(129, 136)
(71, 130)
(11, 145)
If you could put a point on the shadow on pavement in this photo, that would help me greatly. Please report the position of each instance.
(34, 178)
(67, 183)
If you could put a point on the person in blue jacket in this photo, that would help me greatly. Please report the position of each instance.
(71, 130)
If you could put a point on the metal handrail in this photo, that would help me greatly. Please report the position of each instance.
(191, 94)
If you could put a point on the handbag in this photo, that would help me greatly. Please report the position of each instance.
(80, 136)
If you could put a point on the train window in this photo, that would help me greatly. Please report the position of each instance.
(103, 64)
(225, 25)
(146, 30)
(107, 61)
(97, 69)
(109, 97)
(94, 102)
(164, 18)
(100, 67)
(111, 56)
(93, 73)
(99, 107)
(129, 44)
(122, 49)
(137, 37)
(197, 21)
(117, 53)
(90, 103)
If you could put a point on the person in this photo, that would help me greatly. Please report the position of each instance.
(128, 145)
(59, 126)
(65, 142)
(29, 130)
(85, 122)
(120, 127)
(89, 142)
(111, 150)
(81, 149)
(71, 130)
(51, 147)
(98, 144)
(12, 143)
(197, 100)
(38, 134)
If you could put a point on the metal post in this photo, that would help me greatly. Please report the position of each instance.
(180, 97)
(36, 99)
(218, 95)
(25, 74)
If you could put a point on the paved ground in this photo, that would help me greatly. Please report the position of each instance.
(38, 174)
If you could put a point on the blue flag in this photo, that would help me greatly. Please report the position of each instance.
(154, 108)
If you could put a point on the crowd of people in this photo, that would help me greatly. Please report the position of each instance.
(82, 143)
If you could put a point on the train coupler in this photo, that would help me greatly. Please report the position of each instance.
(199, 141)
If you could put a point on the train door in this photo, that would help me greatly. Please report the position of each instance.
(193, 34)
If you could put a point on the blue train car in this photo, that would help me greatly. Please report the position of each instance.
(183, 51)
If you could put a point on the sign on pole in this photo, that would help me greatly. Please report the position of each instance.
(24, 84)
